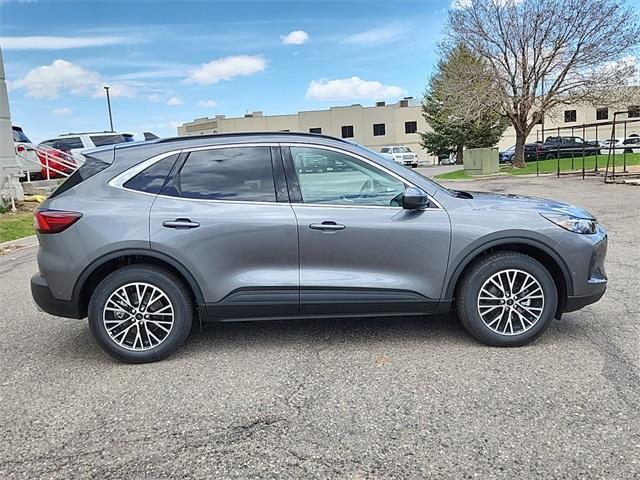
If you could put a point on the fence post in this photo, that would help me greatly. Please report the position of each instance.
(624, 149)
(573, 135)
(538, 151)
(584, 134)
(597, 150)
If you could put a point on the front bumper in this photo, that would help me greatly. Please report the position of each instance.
(48, 303)
(595, 286)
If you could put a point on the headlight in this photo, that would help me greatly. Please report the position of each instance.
(585, 226)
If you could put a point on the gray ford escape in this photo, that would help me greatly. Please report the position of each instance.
(146, 238)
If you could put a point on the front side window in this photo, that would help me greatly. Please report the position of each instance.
(341, 179)
(151, 179)
(67, 144)
(241, 173)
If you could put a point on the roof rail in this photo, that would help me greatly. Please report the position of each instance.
(245, 134)
(89, 133)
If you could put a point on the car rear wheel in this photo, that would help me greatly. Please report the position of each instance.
(506, 299)
(140, 313)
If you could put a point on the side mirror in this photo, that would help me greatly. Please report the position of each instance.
(414, 199)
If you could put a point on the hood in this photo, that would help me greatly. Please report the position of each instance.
(511, 202)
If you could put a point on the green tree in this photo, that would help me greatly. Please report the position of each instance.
(456, 125)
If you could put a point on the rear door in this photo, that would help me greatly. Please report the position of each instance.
(225, 215)
(360, 251)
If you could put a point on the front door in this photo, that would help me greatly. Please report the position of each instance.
(360, 251)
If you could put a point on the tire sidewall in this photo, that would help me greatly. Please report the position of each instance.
(483, 273)
(165, 282)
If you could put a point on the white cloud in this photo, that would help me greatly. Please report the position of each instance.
(48, 81)
(459, 4)
(174, 102)
(57, 43)
(352, 88)
(226, 68)
(155, 98)
(62, 111)
(207, 104)
(297, 37)
(375, 36)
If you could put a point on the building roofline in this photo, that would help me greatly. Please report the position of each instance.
(182, 138)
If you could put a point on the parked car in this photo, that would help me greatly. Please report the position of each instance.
(74, 143)
(530, 153)
(554, 147)
(507, 156)
(400, 154)
(26, 157)
(631, 145)
(56, 163)
(231, 227)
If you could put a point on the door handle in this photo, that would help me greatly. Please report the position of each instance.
(180, 223)
(327, 226)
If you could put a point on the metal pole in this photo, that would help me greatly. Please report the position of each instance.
(558, 153)
(538, 153)
(597, 150)
(573, 136)
(584, 134)
(624, 149)
(109, 107)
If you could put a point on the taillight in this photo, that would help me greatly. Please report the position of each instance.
(20, 149)
(54, 221)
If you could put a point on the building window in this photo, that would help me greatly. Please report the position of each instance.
(634, 111)
(315, 130)
(570, 116)
(378, 129)
(602, 113)
(347, 131)
(410, 127)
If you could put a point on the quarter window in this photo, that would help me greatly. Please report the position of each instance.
(151, 179)
(242, 173)
(378, 129)
(347, 131)
(328, 177)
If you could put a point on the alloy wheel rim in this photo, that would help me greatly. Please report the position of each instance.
(511, 302)
(138, 316)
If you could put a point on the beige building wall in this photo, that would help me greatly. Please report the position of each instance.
(394, 117)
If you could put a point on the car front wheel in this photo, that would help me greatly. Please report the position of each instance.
(140, 313)
(506, 299)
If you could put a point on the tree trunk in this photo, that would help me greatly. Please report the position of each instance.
(518, 159)
(459, 155)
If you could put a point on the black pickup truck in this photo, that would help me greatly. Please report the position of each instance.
(554, 147)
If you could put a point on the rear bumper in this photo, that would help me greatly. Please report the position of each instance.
(48, 303)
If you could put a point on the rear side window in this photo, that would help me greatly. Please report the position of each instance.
(151, 179)
(240, 173)
(102, 140)
(19, 136)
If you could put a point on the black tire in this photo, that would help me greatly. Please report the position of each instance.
(550, 156)
(163, 280)
(471, 284)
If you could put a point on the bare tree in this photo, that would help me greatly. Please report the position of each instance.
(543, 53)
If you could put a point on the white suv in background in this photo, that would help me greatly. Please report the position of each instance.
(400, 154)
(79, 142)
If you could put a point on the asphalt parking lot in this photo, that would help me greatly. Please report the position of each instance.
(383, 398)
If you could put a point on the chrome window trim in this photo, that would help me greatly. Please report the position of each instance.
(119, 180)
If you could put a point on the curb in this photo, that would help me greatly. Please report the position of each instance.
(25, 242)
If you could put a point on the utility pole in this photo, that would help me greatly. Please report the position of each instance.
(109, 107)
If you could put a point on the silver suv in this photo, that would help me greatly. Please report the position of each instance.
(146, 238)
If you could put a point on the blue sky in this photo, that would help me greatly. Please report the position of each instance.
(170, 62)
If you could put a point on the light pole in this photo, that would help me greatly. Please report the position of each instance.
(109, 107)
